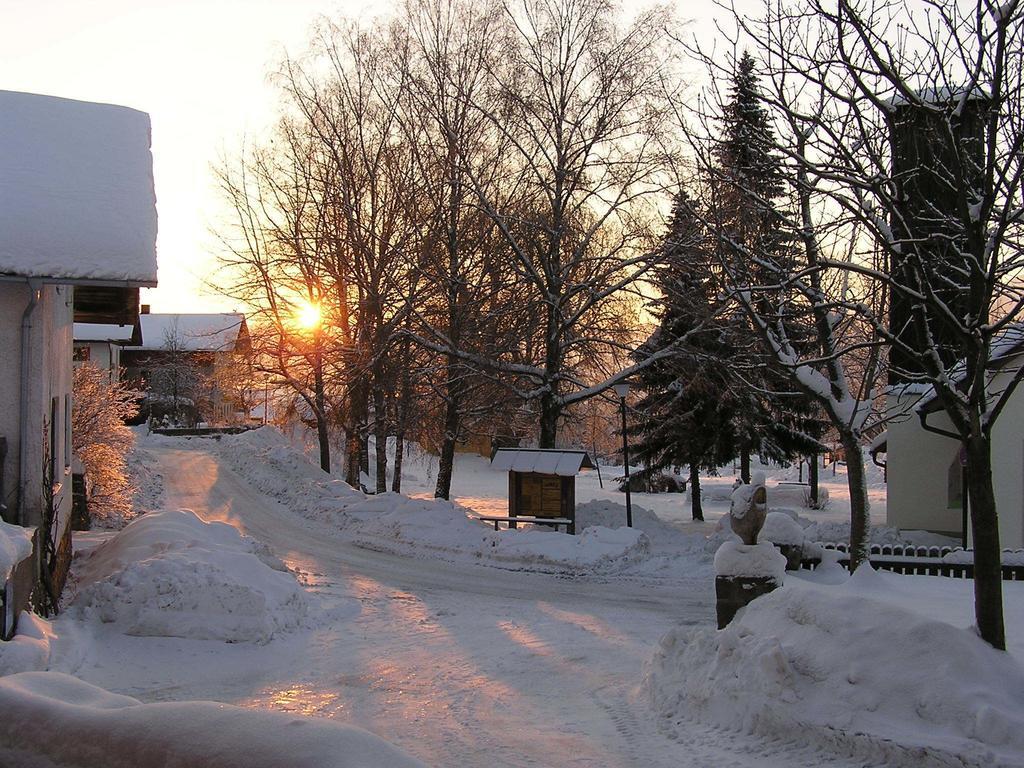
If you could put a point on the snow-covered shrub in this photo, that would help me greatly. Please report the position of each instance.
(101, 441)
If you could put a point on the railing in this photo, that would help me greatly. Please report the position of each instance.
(914, 560)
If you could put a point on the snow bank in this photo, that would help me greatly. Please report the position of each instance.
(846, 668)
(15, 546)
(396, 523)
(171, 574)
(29, 649)
(52, 719)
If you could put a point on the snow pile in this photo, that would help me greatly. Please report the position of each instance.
(171, 574)
(797, 495)
(29, 649)
(273, 466)
(396, 523)
(51, 719)
(843, 666)
(15, 546)
(735, 558)
(782, 528)
(609, 514)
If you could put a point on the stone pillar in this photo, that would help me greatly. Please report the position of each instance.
(744, 572)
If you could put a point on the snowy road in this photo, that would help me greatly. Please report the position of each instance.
(459, 665)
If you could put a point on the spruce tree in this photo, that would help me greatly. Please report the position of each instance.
(685, 416)
(760, 248)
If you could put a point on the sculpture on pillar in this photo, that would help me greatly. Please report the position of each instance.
(748, 509)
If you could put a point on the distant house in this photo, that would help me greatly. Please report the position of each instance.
(924, 469)
(187, 364)
(100, 344)
(77, 214)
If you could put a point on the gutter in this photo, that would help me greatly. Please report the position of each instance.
(923, 416)
(35, 287)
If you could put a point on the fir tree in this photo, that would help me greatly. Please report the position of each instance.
(685, 416)
(760, 248)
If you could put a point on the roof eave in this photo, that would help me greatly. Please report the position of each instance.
(98, 282)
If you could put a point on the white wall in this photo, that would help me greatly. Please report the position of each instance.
(917, 466)
(50, 376)
(918, 463)
(13, 298)
(1008, 464)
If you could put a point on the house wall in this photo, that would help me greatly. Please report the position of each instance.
(13, 298)
(49, 393)
(104, 355)
(917, 466)
(1008, 464)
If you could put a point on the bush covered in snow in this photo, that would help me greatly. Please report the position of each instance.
(841, 666)
(171, 574)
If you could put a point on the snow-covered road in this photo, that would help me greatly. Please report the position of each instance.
(460, 665)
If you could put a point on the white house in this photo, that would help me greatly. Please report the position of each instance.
(924, 471)
(100, 344)
(77, 211)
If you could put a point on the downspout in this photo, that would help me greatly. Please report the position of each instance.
(35, 293)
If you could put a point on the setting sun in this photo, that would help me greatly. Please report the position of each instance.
(308, 315)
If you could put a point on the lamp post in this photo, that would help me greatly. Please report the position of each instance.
(622, 389)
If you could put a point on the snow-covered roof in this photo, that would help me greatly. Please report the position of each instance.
(1005, 347)
(194, 333)
(544, 461)
(76, 191)
(103, 332)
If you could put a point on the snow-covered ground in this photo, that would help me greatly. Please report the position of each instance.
(465, 647)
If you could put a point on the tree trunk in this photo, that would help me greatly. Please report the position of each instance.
(812, 478)
(352, 455)
(322, 434)
(446, 461)
(988, 577)
(550, 410)
(452, 407)
(354, 433)
(396, 481)
(380, 435)
(695, 503)
(745, 463)
(324, 439)
(860, 521)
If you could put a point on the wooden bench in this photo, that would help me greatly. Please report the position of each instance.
(512, 521)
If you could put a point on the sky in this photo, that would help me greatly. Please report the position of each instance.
(199, 68)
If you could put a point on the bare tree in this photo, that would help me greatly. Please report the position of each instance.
(271, 259)
(578, 102)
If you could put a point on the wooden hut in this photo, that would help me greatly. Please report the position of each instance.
(541, 484)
